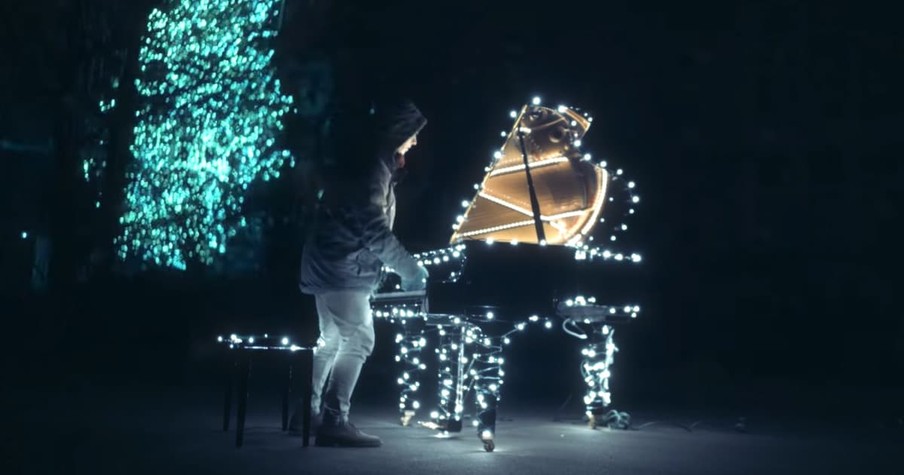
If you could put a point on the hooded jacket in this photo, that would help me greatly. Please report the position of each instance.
(352, 236)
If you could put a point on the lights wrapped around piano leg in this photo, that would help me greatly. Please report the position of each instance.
(410, 342)
(486, 376)
(452, 360)
(595, 368)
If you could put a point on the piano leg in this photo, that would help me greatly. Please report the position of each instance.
(410, 341)
(595, 368)
(451, 378)
(486, 371)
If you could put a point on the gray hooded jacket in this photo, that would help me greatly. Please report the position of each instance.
(352, 236)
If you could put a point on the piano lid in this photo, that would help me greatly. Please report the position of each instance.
(570, 190)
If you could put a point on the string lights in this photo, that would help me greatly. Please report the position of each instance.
(265, 342)
(470, 347)
(94, 153)
(209, 118)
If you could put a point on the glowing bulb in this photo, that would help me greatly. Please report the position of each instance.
(497, 154)
(285, 341)
(536, 100)
(513, 114)
(561, 109)
(465, 204)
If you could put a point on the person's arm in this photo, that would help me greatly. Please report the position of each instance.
(378, 238)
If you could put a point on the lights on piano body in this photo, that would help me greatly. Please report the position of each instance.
(572, 149)
(467, 357)
(587, 253)
(595, 369)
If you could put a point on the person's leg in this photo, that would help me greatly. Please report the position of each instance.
(350, 311)
(325, 355)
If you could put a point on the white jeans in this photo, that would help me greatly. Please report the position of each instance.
(347, 334)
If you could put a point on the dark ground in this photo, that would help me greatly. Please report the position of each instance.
(151, 430)
(106, 401)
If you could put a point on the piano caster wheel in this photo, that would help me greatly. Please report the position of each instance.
(488, 443)
(406, 418)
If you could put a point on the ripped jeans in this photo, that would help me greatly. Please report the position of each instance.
(346, 340)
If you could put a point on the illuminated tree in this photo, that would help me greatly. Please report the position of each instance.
(207, 128)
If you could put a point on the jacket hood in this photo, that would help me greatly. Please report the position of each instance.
(394, 123)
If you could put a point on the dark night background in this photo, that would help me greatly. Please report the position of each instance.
(765, 138)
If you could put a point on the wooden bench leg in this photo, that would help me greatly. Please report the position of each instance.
(244, 373)
(230, 369)
(286, 394)
(308, 388)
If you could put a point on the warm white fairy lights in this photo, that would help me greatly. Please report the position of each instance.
(469, 357)
(608, 184)
(595, 369)
(587, 320)
(410, 342)
(265, 342)
(471, 361)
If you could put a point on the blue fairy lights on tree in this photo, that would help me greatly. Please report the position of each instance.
(209, 118)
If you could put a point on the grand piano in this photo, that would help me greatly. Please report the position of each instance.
(540, 243)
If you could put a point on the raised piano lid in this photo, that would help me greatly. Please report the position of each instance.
(571, 190)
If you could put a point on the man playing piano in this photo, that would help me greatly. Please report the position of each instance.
(341, 263)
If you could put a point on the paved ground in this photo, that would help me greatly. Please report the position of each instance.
(178, 430)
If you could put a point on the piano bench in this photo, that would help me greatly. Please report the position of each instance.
(237, 355)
